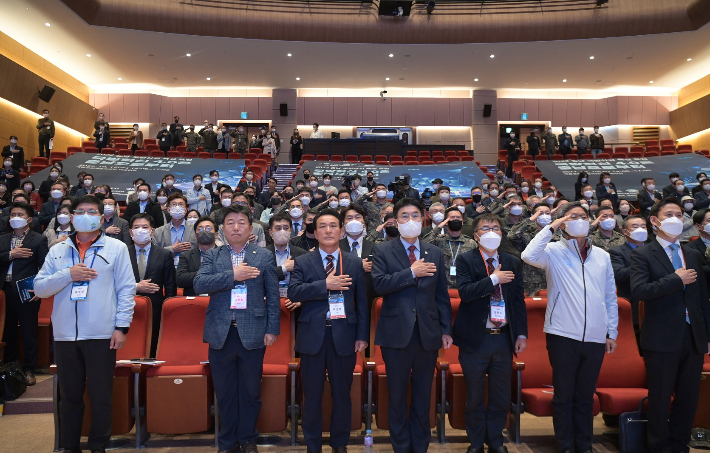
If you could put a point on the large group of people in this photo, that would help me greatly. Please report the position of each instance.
(329, 252)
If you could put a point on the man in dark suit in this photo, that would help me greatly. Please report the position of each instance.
(701, 219)
(49, 207)
(22, 253)
(414, 323)
(285, 254)
(355, 242)
(144, 205)
(648, 196)
(248, 181)
(634, 228)
(169, 184)
(477, 206)
(242, 318)
(675, 328)
(214, 186)
(512, 144)
(103, 137)
(190, 261)
(330, 284)
(153, 269)
(265, 197)
(491, 325)
(679, 191)
(16, 152)
(671, 188)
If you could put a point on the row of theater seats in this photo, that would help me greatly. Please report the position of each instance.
(411, 158)
(177, 397)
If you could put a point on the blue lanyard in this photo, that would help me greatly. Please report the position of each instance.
(96, 250)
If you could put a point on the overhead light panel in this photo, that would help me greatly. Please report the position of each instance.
(387, 78)
(689, 59)
(288, 54)
(391, 55)
(493, 56)
(564, 80)
(88, 55)
(120, 78)
(651, 81)
(47, 24)
(188, 55)
(209, 78)
(475, 80)
(592, 57)
(298, 78)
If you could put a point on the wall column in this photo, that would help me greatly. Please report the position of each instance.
(284, 124)
(485, 130)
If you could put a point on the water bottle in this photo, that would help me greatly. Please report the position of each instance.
(368, 441)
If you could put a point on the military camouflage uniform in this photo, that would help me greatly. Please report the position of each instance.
(452, 248)
(598, 239)
(551, 143)
(372, 209)
(192, 141)
(240, 142)
(520, 236)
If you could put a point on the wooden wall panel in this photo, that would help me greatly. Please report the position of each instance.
(355, 112)
(369, 111)
(399, 112)
(649, 110)
(441, 112)
(635, 115)
(504, 109)
(166, 110)
(194, 113)
(691, 118)
(531, 107)
(623, 109)
(588, 116)
(251, 106)
(613, 109)
(130, 107)
(574, 114)
(236, 107)
(517, 106)
(456, 112)
(414, 112)
(115, 102)
(154, 109)
(310, 111)
(544, 110)
(340, 111)
(264, 109)
(601, 112)
(180, 110)
(426, 116)
(384, 112)
(325, 111)
(468, 112)
(301, 103)
(221, 110)
(101, 104)
(559, 112)
(665, 104)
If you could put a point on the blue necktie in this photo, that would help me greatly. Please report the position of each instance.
(678, 264)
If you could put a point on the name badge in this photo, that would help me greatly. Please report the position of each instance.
(337, 306)
(498, 311)
(283, 289)
(79, 290)
(162, 139)
(239, 298)
(176, 260)
(452, 271)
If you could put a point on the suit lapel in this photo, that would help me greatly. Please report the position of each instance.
(662, 257)
(317, 264)
(134, 262)
(403, 255)
(152, 265)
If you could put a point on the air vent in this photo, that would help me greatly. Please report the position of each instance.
(642, 133)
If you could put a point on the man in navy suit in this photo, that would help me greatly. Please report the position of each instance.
(414, 323)
(648, 196)
(491, 325)
(675, 329)
(330, 285)
(242, 318)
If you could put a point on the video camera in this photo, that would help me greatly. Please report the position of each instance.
(399, 183)
(347, 181)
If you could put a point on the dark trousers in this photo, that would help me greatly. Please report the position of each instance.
(509, 170)
(340, 375)
(81, 364)
(165, 150)
(296, 154)
(416, 364)
(236, 375)
(157, 314)
(26, 315)
(44, 144)
(494, 358)
(672, 374)
(575, 369)
(134, 147)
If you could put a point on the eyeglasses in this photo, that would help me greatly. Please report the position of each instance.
(579, 216)
(207, 228)
(243, 203)
(486, 229)
(90, 212)
(406, 217)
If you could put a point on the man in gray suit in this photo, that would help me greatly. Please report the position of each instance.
(176, 236)
(242, 318)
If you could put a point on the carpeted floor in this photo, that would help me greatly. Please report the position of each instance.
(37, 399)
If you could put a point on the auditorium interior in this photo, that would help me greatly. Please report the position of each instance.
(394, 87)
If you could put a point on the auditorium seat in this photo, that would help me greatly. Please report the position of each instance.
(651, 143)
(518, 166)
(621, 149)
(110, 151)
(637, 149)
(351, 158)
(125, 152)
(541, 157)
(622, 380)
(463, 153)
(688, 148)
(665, 142)
(118, 140)
(571, 156)
(174, 154)
(453, 159)
(324, 158)
(587, 156)
(704, 152)
(118, 146)
(619, 155)
(91, 149)
(39, 162)
(426, 162)
(558, 157)
(653, 154)
(653, 149)
(527, 172)
(437, 152)
(181, 148)
(152, 147)
(425, 155)
(541, 293)
(439, 159)
(381, 159)
(55, 160)
(44, 333)
(608, 149)
(234, 156)
(450, 152)
(394, 159)
(249, 155)
(179, 394)
(150, 141)
(141, 152)
(220, 155)
(305, 157)
(255, 150)
(336, 158)
(604, 155)
(157, 153)
(398, 162)
(450, 381)
(204, 155)
(667, 153)
(410, 160)
(635, 155)
(536, 175)
(467, 158)
(366, 159)
(685, 151)
(57, 155)
(412, 153)
(87, 143)
(525, 157)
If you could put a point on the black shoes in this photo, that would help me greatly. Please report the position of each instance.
(250, 447)
(501, 449)
(30, 378)
(474, 450)
(340, 450)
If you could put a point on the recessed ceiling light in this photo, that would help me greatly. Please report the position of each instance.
(592, 57)
(387, 78)
(298, 78)
(564, 80)
(689, 59)
(475, 80)
(188, 55)
(47, 24)
(288, 54)
(493, 56)
(391, 55)
(650, 81)
(120, 78)
(88, 55)
(209, 78)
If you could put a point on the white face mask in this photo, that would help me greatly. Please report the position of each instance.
(462, 209)
(57, 194)
(88, 182)
(326, 182)
(525, 189)
(86, 223)
(191, 220)
(639, 234)
(197, 182)
(306, 200)
(585, 206)
(608, 224)
(281, 237)
(354, 227)
(177, 212)
(63, 219)
(438, 217)
(140, 235)
(296, 213)
(672, 226)
(142, 195)
(493, 193)
(544, 219)
(345, 202)
(169, 182)
(538, 185)
(688, 206)
(409, 229)
(588, 193)
(109, 209)
(484, 186)
(624, 209)
(162, 199)
(706, 228)
(607, 180)
(516, 210)
(135, 128)
(18, 222)
(550, 200)
(314, 184)
(13, 141)
(381, 193)
(577, 228)
(333, 204)
(444, 196)
(680, 187)
(584, 179)
(650, 187)
(490, 240)
(706, 187)
(226, 202)
(214, 178)
(435, 186)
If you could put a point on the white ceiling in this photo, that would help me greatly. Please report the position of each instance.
(619, 65)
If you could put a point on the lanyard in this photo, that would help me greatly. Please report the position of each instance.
(457, 252)
(96, 250)
(485, 264)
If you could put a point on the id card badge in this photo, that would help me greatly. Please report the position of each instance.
(176, 260)
(79, 290)
(337, 305)
(283, 289)
(239, 298)
(498, 311)
(452, 271)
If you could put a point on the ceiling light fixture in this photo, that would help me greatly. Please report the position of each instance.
(209, 78)
(298, 78)
(88, 55)
(387, 78)
(564, 80)
(650, 81)
(391, 55)
(493, 56)
(689, 59)
(120, 78)
(188, 55)
(592, 57)
(288, 54)
(475, 80)
(47, 24)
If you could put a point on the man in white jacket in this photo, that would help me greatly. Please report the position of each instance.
(91, 278)
(580, 322)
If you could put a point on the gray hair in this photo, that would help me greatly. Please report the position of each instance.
(436, 205)
(567, 207)
(385, 206)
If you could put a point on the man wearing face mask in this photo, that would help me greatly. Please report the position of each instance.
(205, 233)
(491, 326)
(209, 138)
(596, 142)
(198, 197)
(224, 140)
(87, 187)
(551, 143)
(240, 141)
(670, 189)
(327, 187)
(275, 202)
(285, 253)
(144, 205)
(582, 142)
(514, 213)
(169, 185)
(317, 133)
(386, 228)
(446, 235)
(225, 201)
(702, 197)
(192, 139)
(296, 144)
(589, 198)
(634, 228)
(153, 270)
(45, 127)
(605, 236)
(701, 219)
(265, 197)
(355, 219)
(93, 286)
(135, 138)
(477, 205)
(699, 188)
(101, 122)
(49, 208)
(164, 138)
(372, 203)
(566, 143)
(370, 184)
(410, 275)
(176, 132)
(175, 236)
(103, 138)
(214, 186)
(689, 230)
(581, 320)
(307, 238)
(443, 196)
(15, 152)
(9, 175)
(248, 181)
(533, 143)
(669, 280)
(113, 225)
(520, 236)
(277, 139)
(22, 254)
(648, 196)
(512, 145)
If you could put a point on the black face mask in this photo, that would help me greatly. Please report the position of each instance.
(275, 201)
(205, 237)
(476, 198)
(392, 231)
(100, 196)
(310, 228)
(306, 175)
(370, 178)
(455, 225)
(288, 195)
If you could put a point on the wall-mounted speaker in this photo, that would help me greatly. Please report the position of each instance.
(487, 110)
(46, 93)
(283, 109)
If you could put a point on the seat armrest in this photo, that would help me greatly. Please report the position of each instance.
(518, 366)
(370, 366)
(294, 364)
(53, 369)
(442, 365)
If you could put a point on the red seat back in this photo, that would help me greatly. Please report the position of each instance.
(538, 371)
(44, 317)
(157, 153)
(108, 151)
(323, 158)
(350, 158)
(308, 157)
(173, 153)
(439, 159)
(527, 171)
(125, 152)
(181, 327)
(541, 157)
(138, 342)
(150, 141)
(572, 156)
(558, 157)
(141, 152)
(518, 165)
(91, 149)
(40, 161)
(220, 155)
(453, 159)
(280, 353)
(366, 158)
(603, 156)
(625, 368)
(336, 158)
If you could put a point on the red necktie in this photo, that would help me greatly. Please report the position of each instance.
(496, 294)
(412, 258)
(330, 267)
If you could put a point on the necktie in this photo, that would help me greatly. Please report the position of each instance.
(330, 267)
(295, 227)
(353, 247)
(412, 258)
(496, 294)
(141, 264)
(677, 264)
